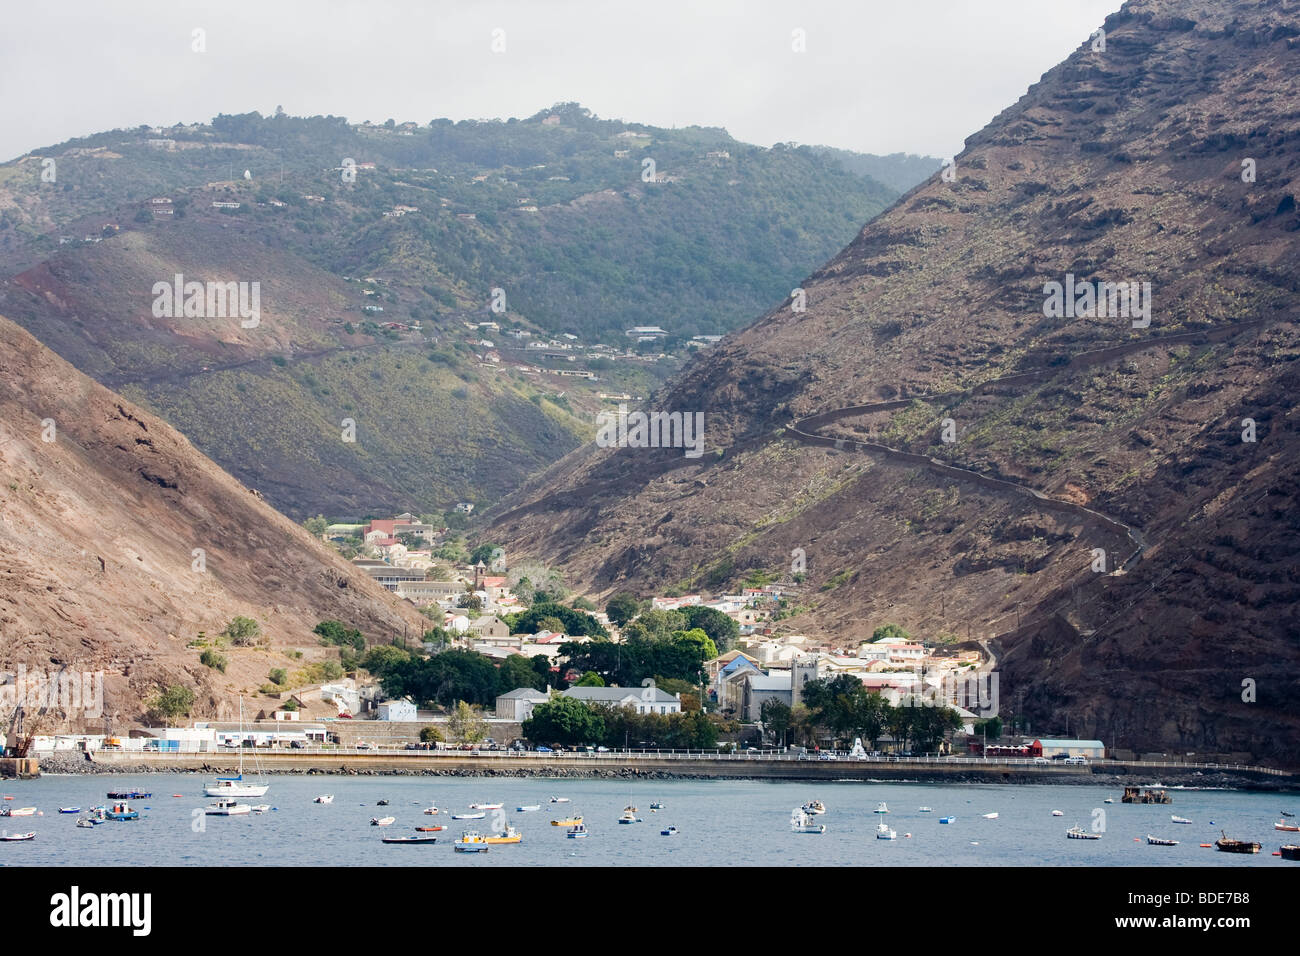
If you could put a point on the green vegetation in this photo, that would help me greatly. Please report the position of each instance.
(243, 632)
(658, 645)
(573, 622)
(172, 702)
(430, 735)
(572, 723)
(213, 659)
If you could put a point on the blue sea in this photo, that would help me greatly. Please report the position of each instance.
(720, 823)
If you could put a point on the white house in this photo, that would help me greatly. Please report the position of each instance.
(645, 700)
(402, 710)
(519, 703)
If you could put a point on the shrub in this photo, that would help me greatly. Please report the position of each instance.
(278, 676)
(211, 658)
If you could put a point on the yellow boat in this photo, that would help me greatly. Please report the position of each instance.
(511, 835)
(570, 822)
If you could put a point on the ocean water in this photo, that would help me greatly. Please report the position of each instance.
(721, 822)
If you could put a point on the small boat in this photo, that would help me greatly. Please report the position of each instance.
(130, 795)
(814, 806)
(568, 822)
(324, 798)
(1286, 826)
(1235, 846)
(382, 822)
(1077, 832)
(78, 810)
(924, 810)
(17, 837)
(1109, 800)
(885, 832)
(990, 816)
(408, 839)
(86, 823)
(121, 811)
(577, 832)
(1057, 813)
(656, 806)
(468, 816)
(485, 806)
(668, 831)
(381, 803)
(471, 841)
(227, 808)
(881, 808)
(18, 812)
(508, 835)
(430, 811)
(1156, 841)
(1284, 813)
(429, 829)
(232, 787)
(261, 808)
(629, 816)
(1177, 819)
(528, 809)
(802, 822)
(1289, 852)
(947, 819)
(559, 799)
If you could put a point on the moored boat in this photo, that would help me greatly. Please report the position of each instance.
(629, 816)
(559, 799)
(227, 808)
(382, 821)
(508, 835)
(122, 811)
(69, 809)
(1156, 841)
(814, 806)
(1178, 819)
(408, 839)
(1058, 813)
(577, 832)
(1289, 851)
(468, 816)
(947, 819)
(528, 809)
(1235, 846)
(990, 816)
(924, 810)
(485, 806)
(881, 807)
(86, 823)
(17, 837)
(130, 795)
(1286, 826)
(324, 798)
(18, 812)
(471, 841)
(1077, 832)
(429, 829)
(657, 806)
(668, 831)
(802, 822)
(885, 832)
(430, 811)
(567, 822)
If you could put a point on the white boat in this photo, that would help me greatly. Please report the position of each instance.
(485, 806)
(382, 821)
(231, 787)
(261, 808)
(559, 799)
(468, 816)
(1180, 820)
(885, 832)
(1057, 813)
(629, 816)
(528, 809)
(990, 816)
(814, 806)
(1077, 832)
(324, 798)
(802, 822)
(658, 806)
(577, 832)
(227, 808)
(881, 808)
(668, 831)
(430, 811)
(69, 809)
(1157, 841)
(924, 810)
(22, 812)
(86, 823)
(8, 837)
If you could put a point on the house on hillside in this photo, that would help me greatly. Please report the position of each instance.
(519, 703)
(644, 700)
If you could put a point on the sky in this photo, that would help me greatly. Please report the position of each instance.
(876, 76)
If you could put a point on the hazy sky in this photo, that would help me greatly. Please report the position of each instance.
(877, 76)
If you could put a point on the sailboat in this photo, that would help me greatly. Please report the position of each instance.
(234, 786)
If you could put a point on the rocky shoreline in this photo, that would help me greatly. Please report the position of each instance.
(77, 764)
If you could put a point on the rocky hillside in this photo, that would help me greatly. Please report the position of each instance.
(992, 442)
(99, 528)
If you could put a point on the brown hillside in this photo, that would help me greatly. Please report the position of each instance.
(97, 530)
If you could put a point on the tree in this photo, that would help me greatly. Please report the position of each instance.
(213, 659)
(776, 717)
(172, 702)
(483, 553)
(582, 604)
(465, 724)
(516, 671)
(564, 721)
(333, 632)
(889, 630)
(723, 630)
(278, 676)
(989, 727)
(243, 631)
(290, 705)
(590, 679)
(575, 623)
(384, 659)
(316, 525)
(622, 608)
(430, 735)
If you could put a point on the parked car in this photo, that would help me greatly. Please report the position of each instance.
(602, 750)
(1041, 760)
(544, 750)
(1077, 760)
(1060, 756)
(297, 744)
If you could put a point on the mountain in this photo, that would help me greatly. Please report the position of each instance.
(99, 528)
(899, 171)
(949, 447)
(378, 251)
